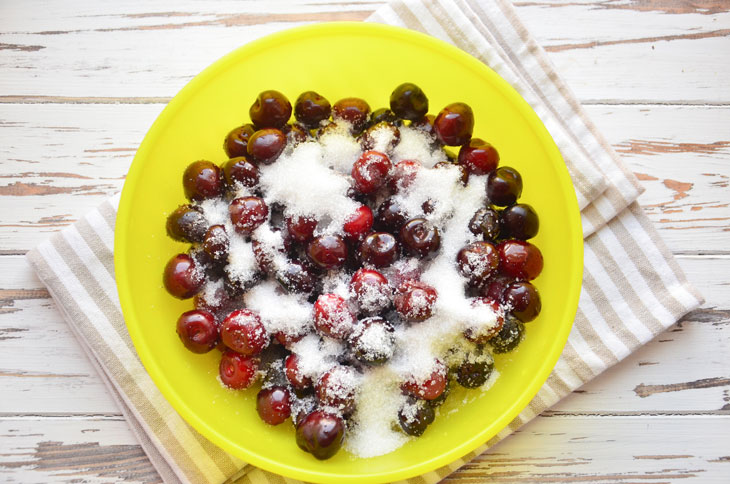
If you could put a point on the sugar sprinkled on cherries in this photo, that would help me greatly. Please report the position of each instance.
(248, 213)
(182, 278)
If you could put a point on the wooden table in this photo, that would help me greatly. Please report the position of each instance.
(81, 82)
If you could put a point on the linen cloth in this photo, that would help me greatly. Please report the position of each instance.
(632, 287)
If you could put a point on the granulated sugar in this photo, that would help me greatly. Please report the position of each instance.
(279, 311)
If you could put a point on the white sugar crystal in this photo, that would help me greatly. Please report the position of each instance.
(215, 211)
(417, 145)
(339, 149)
(279, 311)
(271, 243)
(316, 355)
(242, 265)
(211, 292)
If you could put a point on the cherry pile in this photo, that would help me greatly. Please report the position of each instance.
(497, 266)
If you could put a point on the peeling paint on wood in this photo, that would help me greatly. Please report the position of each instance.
(641, 40)
(641, 147)
(644, 391)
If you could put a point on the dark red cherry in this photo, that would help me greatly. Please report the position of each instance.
(409, 102)
(509, 336)
(384, 114)
(294, 373)
(479, 157)
(414, 300)
(295, 133)
(238, 371)
(310, 108)
(379, 249)
(474, 371)
(212, 302)
(215, 243)
(520, 221)
(201, 180)
(520, 259)
(404, 173)
(287, 340)
(243, 331)
(504, 186)
(425, 124)
(332, 316)
(370, 171)
(321, 434)
(240, 171)
(477, 261)
(336, 389)
(353, 110)
(237, 139)
(328, 251)
(524, 299)
(182, 278)
(186, 224)
(454, 124)
(198, 331)
(301, 229)
(419, 237)
(358, 224)
(296, 277)
(371, 290)
(390, 216)
(372, 341)
(247, 214)
(485, 222)
(273, 405)
(383, 136)
(415, 417)
(481, 331)
(494, 288)
(270, 110)
(265, 145)
(431, 387)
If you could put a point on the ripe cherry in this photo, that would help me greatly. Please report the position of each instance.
(520, 221)
(201, 180)
(454, 124)
(370, 171)
(247, 214)
(270, 110)
(477, 261)
(358, 224)
(479, 331)
(384, 114)
(379, 249)
(236, 140)
(336, 389)
(242, 331)
(373, 341)
(238, 371)
(353, 110)
(404, 173)
(321, 434)
(524, 299)
(414, 300)
(415, 417)
(294, 373)
(311, 108)
(382, 137)
(213, 302)
(240, 171)
(332, 317)
(198, 331)
(429, 388)
(408, 101)
(509, 336)
(328, 251)
(474, 371)
(485, 222)
(390, 216)
(371, 291)
(296, 277)
(182, 278)
(186, 224)
(520, 259)
(301, 229)
(504, 186)
(419, 237)
(273, 405)
(479, 157)
(265, 145)
(215, 243)
(425, 124)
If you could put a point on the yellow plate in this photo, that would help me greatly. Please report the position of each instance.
(338, 60)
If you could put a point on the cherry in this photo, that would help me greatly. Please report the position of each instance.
(182, 278)
(371, 290)
(404, 173)
(382, 133)
(287, 340)
(247, 214)
(201, 180)
(379, 249)
(373, 342)
(504, 186)
(242, 331)
(198, 331)
(296, 277)
(494, 288)
(265, 145)
(509, 336)
(273, 405)
(520, 221)
(301, 229)
(238, 371)
(485, 222)
(384, 114)
(477, 261)
(240, 171)
(302, 406)
(370, 171)
(311, 108)
(332, 317)
(415, 417)
(328, 251)
(295, 133)
(474, 371)
(186, 224)
(353, 110)
(480, 332)
(419, 237)
(408, 101)
(213, 303)
(524, 299)
(336, 389)
(321, 434)
(390, 216)
(264, 252)
(358, 224)
(236, 140)
(414, 300)
(294, 373)
(520, 259)
(425, 124)
(270, 110)
(215, 243)
(479, 157)
(454, 124)
(431, 387)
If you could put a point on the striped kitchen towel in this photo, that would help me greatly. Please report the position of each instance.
(632, 287)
